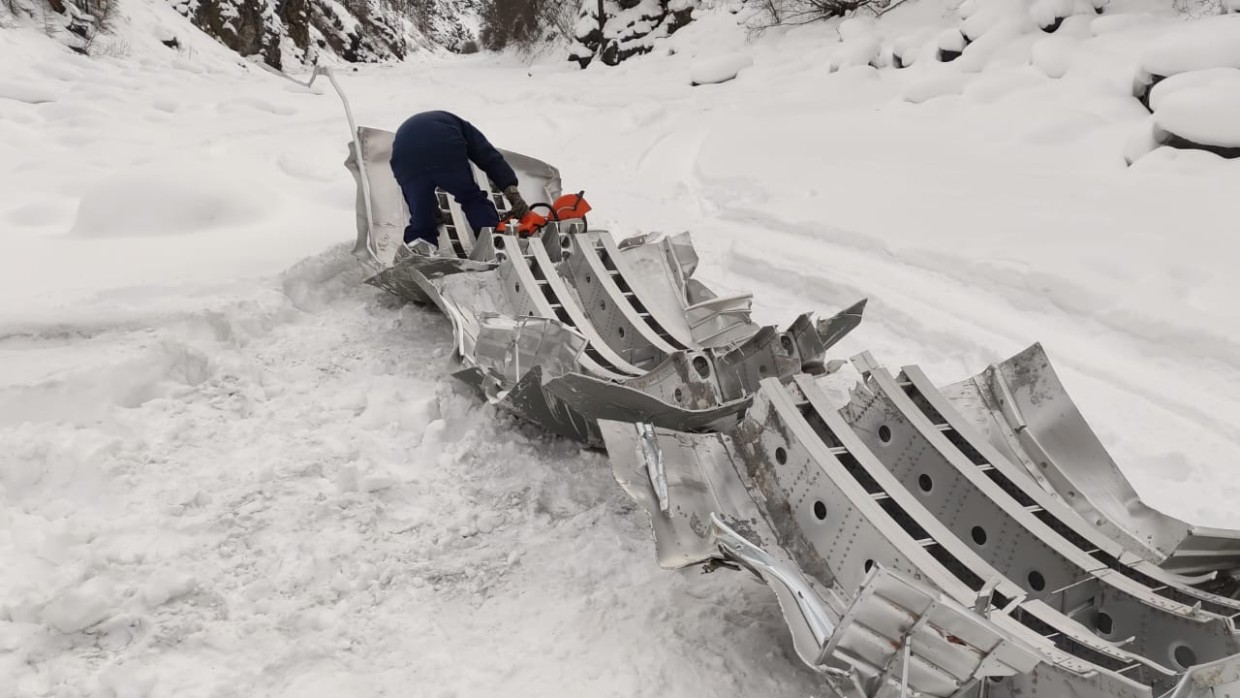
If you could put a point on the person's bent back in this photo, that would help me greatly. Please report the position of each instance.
(433, 150)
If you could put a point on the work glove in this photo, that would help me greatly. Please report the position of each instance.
(519, 207)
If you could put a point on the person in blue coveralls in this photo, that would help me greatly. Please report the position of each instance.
(433, 149)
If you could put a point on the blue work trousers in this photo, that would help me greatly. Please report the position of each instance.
(419, 191)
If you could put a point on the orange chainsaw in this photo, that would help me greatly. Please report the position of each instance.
(565, 208)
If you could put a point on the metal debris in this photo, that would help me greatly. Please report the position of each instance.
(974, 541)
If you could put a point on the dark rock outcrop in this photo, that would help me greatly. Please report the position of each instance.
(614, 30)
(356, 30)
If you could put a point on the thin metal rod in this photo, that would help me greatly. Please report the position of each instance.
(370, 247)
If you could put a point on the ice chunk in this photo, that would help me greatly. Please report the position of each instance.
(721, 69)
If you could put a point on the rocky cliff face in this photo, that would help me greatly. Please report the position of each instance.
(283, 31)
(359, 31)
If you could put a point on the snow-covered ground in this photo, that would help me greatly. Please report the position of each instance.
(227, 468)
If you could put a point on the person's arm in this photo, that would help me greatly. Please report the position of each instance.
(487, 157)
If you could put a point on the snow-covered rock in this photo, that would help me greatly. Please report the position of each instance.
(1050, 14)
(1217, 80)
(615, 30)
(1202, 117)
(709, 71)
(1053, 55)
(1211, 42)
(1140, 142)
(863, 49)
(951, 43)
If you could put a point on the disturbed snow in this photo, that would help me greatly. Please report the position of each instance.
(230, 469)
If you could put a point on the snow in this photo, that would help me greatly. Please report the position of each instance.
(951, 40)
(858, 51)
(709, 71)
(79, 608)
(1202, 115)
(928, 88)
(1053, 55)
(1045, 12)
(1212, 42)
(173, 199)
(1200, 106)
(229, 468)
(1221, 81)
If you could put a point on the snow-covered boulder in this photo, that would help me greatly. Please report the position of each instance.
(1203, 117)
(907, 49)
(1213, 42)
(710, 71)
(1198, 110)
(1218, 80)
(1053, 55)
(1050, 14)
(862, 50)
(982, 17)
(951, 45)
(1141, 142)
